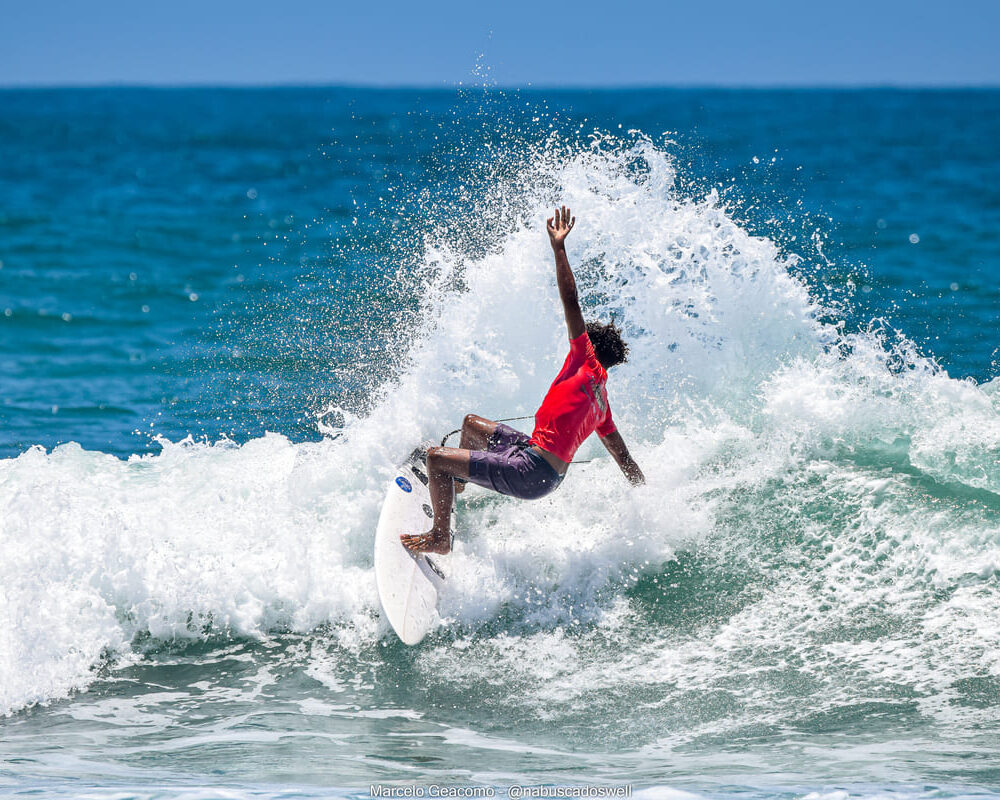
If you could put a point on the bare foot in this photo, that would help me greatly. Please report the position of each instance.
(430, 542)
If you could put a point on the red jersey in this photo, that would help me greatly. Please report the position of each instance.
(576, 404)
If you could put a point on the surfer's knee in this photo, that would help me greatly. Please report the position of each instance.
(476, 431)
(435, 458)
(441, 461)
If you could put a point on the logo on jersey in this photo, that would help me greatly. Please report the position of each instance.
(595, 394)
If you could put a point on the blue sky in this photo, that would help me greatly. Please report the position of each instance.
(752, 42)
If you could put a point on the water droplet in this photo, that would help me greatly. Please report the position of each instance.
(252, 193)
(914, 239)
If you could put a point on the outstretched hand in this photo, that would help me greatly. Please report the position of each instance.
(559, 225)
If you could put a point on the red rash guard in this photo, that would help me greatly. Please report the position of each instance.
(576, 404)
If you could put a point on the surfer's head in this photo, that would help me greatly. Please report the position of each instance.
(608, 344)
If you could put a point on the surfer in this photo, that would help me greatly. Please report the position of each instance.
(498, 457)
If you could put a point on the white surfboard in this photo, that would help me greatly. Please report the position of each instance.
(407, 583)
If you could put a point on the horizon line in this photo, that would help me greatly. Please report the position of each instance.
(531, 87)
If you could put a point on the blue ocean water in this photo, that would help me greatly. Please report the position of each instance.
(225, 314)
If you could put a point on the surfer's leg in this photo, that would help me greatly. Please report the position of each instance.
(476, 432)
(444, 464)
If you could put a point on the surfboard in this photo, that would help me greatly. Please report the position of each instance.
(407, 583)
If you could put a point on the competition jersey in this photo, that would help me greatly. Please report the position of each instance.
(576, 404)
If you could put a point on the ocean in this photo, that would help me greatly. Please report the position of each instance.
(226, 314)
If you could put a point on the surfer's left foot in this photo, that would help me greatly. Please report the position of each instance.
(427, 543)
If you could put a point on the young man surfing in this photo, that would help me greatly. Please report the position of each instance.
(498, 457)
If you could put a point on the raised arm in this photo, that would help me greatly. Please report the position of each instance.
(559, 225)
(619, 452)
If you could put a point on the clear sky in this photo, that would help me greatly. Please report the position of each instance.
(370, 42)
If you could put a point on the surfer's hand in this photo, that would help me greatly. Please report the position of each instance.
(559, 225)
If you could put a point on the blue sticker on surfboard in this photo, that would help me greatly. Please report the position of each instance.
(404, 484)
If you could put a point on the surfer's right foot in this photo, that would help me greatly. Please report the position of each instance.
(427, 543)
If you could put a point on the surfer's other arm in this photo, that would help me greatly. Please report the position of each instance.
(559, 225)
(619, 452)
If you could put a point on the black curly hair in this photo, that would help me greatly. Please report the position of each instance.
(607, 339)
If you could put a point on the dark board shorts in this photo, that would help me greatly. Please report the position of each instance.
(509, 466)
